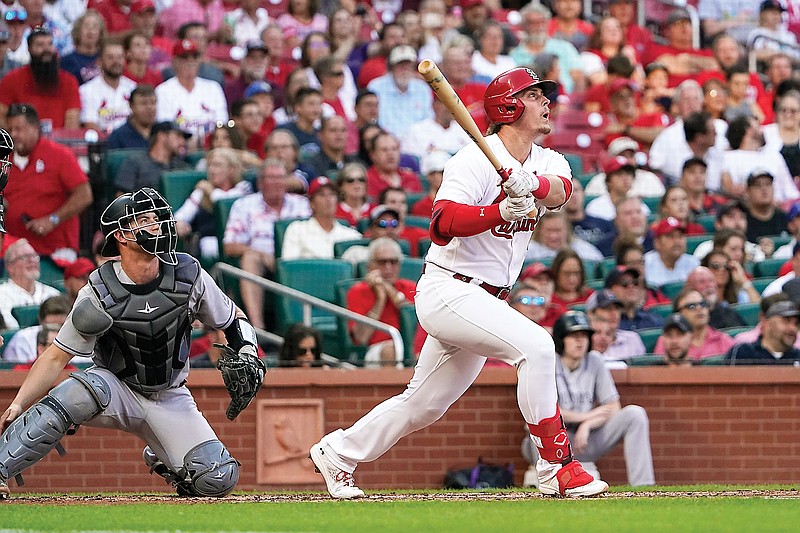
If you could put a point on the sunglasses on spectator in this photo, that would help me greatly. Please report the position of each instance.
(26, 257)
(383, 223)
(354, 179)
(694, 306)
(302, 351)
(717, 266)
(538, 301)
(14, 15)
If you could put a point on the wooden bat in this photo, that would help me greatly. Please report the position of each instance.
(444, 91)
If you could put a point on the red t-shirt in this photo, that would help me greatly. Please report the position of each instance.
(372, 68)
(423, 207)
(408, 181)
(647, 120)
(638, 37)
(116, 20)
(692, 228)
(18, 86)
(255, 143)
(151, 77)
(361, 298)
(413, 235)
(344, 212)
(276, 75)
(39, 190)
(563, 305)
(654, 51)
(583, 27)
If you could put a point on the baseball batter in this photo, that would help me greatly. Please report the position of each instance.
(134, 317)
(480, 230)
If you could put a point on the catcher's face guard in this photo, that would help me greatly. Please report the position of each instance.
(146, 219)
(6, 148)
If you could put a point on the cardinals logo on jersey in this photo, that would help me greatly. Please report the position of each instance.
(508, 229)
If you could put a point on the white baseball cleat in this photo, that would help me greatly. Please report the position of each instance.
(340, 483)
(570, 480)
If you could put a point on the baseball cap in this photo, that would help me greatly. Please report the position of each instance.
(620, 144)
(159, 127)
(676, 16)
(667, 226)
(794, 211)
(140, 6)
(184, 48)
(379, 210)
(602, 299)
(757, 173)
(434, 161)
(319, 183)
(257, 87)
(792, 289)
(620, 84)
(677, 321)
(80, 268)
(731, 206)
(771, 4)
(535, 270)
(615, 164)
(256, 44)
(401, 53)
(785, 308)
(466, 4)
(615, 275)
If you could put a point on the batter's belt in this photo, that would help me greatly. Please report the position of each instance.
(498, 292)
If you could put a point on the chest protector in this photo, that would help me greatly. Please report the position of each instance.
(148, 344)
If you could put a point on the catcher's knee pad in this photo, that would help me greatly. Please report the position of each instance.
(39, 429)
(210, 469)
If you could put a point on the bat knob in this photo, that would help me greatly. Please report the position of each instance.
(504, 173)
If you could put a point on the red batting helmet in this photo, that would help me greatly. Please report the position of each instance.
(499, 102)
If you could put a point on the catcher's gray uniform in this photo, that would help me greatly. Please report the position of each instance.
(138, 336)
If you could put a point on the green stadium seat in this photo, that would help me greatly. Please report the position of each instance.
(647, 360)
(652, 202)
(714, 360)
(590, 268)
(595, 284)
(418, 222)
(672, 288)
(423, 246)
(662, 310)
(280, 233)
(177, 185)
(222, 208)
(408, 329)
(767, 267)
(7, 334)
(575, 164)
(707, 221)
(605, 267)
(114, 159)
(780, 240)
(50, 273)
(341, 247)
(412, 198)
(194, 157)
(759, 284)
(26, 315)
(693, 241)
(749, 312)
(649, 337)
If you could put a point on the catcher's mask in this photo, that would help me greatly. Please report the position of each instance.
(6, 147)
(143, 217)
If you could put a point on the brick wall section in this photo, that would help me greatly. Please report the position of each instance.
(708, 424)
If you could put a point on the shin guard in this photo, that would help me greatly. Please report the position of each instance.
(551, 439)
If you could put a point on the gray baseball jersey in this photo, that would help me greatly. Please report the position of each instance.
(589, 384)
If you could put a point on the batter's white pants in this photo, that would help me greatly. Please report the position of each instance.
(465, 324)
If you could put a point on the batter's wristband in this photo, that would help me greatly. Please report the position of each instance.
(544, 188)
(567, 187)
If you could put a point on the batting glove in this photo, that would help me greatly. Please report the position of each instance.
(512, 208)
(520, 183)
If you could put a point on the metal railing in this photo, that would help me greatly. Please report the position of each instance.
(308, 302)
(785, 48)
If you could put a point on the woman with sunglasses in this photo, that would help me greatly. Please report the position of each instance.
(706, 341)
(353, 205)
(301, 348)
(733, 286)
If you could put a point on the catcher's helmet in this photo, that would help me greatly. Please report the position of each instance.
(157, 238)
(570, 322)
(499, 101)
(6, 147)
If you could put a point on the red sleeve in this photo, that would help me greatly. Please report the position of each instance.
(70, 171)
(69, 92)
(359, 300)
(451, 219)
(7, 87)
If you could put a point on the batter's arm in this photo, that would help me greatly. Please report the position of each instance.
(559, 193)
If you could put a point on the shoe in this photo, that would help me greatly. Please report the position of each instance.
(340, 483)
(155, 464)
(4, 492)
(570, 480)
(531, 477)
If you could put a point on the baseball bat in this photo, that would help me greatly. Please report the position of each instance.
(445, 92)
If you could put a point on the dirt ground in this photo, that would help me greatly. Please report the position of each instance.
(101, 499)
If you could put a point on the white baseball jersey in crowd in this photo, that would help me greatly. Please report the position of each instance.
(104, 105)
(464, 321)
(197, 111)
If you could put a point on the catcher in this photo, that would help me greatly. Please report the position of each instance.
(134, 319)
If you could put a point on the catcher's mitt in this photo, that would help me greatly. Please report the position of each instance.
(243, 372)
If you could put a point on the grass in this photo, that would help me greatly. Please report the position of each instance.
(615, 514)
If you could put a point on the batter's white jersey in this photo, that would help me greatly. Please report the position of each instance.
(197, 111)
(495, 256)
(104, 105)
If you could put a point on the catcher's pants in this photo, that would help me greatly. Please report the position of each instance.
(168, 421)
(465, 323)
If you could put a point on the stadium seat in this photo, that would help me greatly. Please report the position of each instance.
(662, 310)
(26, 315)
(349, 352)
(714, 360)
(693, 241)
(590, 268)
(759, 284)
(595, 284)
(780, 240)
(647, 360)
(412, 198)
(280, 233)
(749, 312)
(649, 337)
(733, 331)
(408, 329)
(652, 202)
(419, 222)
(112, 161)
(50, 273)
(672, 288)
(707, 221)
(423, 246)
(177, 185)
(341, 247)
(605, 267)
(767, 267)
(7, 334)
(222, 209)
(410, 268)
(194, 157)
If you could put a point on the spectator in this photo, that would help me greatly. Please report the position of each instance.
(329, 72)
(791, 291)
(630, 254)
(116, 14)
(733, 215)
(746, 156)
(280, 64)
(304, 126)
(250, 231)
(677, 340)
(22, 346)
(183, 12)
(777, 285)
(46, 191)
(706, 281)
(566, 23)
(167, 143)
(732, 282)
(645, 183)
(625, 119)
(44, 338)
(763, 218)
(37, 19)
(438, 133)
(301, 348)
(771, 36)
(384, 152)
(679, 55)
(7, 63)
(775, 345)
(135, 132)
(488, 59)
(261, 93)
(606, 41)
(590, 405)
(302, 18)
(605, 314)
(104, 99)
(793, 225)
(247, 118)
(741, 102)
(197, 33)
(532, 302)
(76, 275)
(206, 351)
(457, 68)
(42, 84)
(596, 97)
(553, 233)
(535, 41)
(779, 69)
(675, 204)
(380, 297)
(669, 261)
(474, 15)
(619, 174)
(16, 22)
(594, 230)
(625, 12)
(693, 181)
(403, 99)
(630, 224)
(144, 20)
(138, 51)
(228, 136)
(88, 34)
(701, 136)
(366, 111)
(248, 21)
(432, 167)
(731, 57)
(296, 80)
(196, 215)
(22, 286)
(282, 144)
(252, 68)
(397, 199)
(315, 237)
(737, 19)
(706, 341)
(390, 36)
(194, 102)
(715, 98)
(383, 222)
(624, 283)
(569, 274)
(331, 157)
(784, 135)
(352, 182)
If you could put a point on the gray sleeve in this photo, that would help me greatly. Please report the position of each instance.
(604, 389)
(69, 338)
(209, 304)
